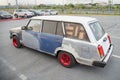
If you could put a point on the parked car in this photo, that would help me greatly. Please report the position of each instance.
(53, 12)
(5, 15)
(70, 38)
(36, 12)
(44, 12)
(23, 13)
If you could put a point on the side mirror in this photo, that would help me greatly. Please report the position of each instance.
(23, 28)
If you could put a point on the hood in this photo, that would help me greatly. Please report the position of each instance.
(16, 30)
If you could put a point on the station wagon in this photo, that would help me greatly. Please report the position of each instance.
(72, 39)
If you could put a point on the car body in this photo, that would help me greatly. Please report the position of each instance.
(44, 12)
(70, 38)
(53, 12)
(22, 13)
(5, 15)
(36, 12)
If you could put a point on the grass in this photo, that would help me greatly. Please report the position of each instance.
(91, 14)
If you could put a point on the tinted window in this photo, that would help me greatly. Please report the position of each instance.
(35, 25)
(97, 30)
(77, 31)
(19, 10)
(49, 27)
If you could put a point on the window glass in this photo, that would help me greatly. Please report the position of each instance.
(20, 11)
(35, 25)
(59, 29)
(97, 30)
(49, 27)
(74, 30)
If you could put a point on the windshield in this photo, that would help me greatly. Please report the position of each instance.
(97, 30)
(6, 13)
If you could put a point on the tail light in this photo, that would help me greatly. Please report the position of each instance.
(109, 39)
(101, 51)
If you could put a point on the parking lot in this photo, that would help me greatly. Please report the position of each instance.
(28, 64)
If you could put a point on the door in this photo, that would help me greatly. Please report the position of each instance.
(20, 12)
(51, 36)
(30, 37)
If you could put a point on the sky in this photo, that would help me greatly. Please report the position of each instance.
(12, 2)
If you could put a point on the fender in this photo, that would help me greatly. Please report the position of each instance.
(14, 34)
(18, 36)
(71, 51)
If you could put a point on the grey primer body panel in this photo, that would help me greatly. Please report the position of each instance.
(85, 51)
(30, 39)
(16, 32)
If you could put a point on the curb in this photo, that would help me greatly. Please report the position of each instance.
(11, 19)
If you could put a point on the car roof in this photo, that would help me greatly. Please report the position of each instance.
(78, 19)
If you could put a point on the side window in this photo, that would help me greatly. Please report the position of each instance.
(35, 25)
(20, 11)
(59, 29)
(17, 11)
(49, 27)
(74, 30)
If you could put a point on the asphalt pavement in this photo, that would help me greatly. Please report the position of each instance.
(28, 64)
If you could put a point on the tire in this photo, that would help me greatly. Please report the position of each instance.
(66, 59)
(25, 16)
(16, 16)
(16, 42)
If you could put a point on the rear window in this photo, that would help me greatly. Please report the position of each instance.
(97, 30)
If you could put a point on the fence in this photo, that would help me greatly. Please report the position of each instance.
(90, 11)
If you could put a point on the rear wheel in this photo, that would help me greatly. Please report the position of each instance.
(25, 16)
(16, 16)
(66, 59)
(16, 42)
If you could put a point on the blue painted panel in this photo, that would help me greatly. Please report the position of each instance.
(49, 42)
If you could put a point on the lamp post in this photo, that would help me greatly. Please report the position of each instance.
(110, 4)
(17, 4)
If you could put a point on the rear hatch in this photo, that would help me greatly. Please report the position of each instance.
(105, 43)
(102, 38)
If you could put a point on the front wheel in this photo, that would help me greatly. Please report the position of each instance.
(66, 59)
(16, 42)
(16, 16)
(25, 16)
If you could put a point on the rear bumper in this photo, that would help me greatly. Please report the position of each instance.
(104, 61)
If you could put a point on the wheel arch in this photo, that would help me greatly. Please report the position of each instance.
(71, 60)
(15, 14)
(58, 50)
(15, 34)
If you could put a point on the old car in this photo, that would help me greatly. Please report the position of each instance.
(70, 38)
